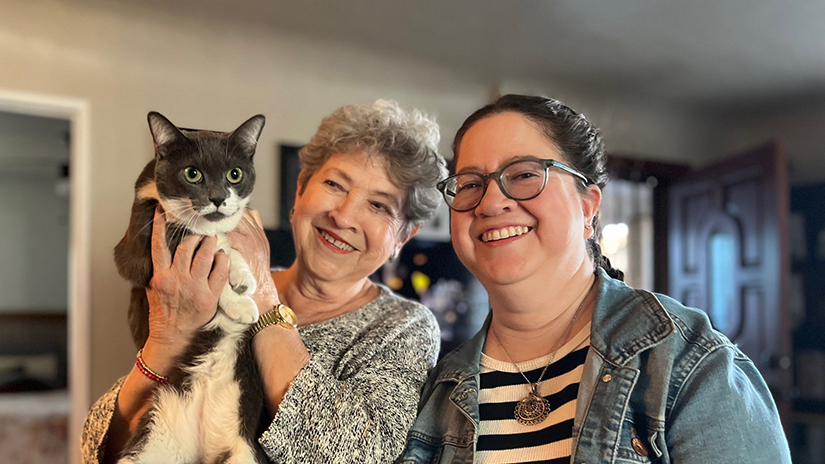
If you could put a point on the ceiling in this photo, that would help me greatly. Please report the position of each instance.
(695, 51)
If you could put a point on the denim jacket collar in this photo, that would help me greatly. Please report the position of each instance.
(618, 335)
(626, 321)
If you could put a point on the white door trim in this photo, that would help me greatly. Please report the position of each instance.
(77, 111)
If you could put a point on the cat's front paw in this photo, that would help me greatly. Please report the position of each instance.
(242, 281)
(241, 309)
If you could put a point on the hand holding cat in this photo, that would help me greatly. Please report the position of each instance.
(184, 290)
(279, 353)
(251, 242)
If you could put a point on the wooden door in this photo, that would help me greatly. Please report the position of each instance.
(728, 256)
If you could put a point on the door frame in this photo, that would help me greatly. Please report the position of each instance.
(637, 169)
(78, 113)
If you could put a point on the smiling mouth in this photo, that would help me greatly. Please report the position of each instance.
(504, 232)
(334, 242)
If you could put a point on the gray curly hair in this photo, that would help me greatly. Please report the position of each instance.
(407, 139)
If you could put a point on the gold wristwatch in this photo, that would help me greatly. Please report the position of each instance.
(281, 315)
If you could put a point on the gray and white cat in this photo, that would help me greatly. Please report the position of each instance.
(212, 407)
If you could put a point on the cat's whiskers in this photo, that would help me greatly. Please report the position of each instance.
(165, 214)
(151, 221)
(174, 212)
(178, 228)
(187, 222)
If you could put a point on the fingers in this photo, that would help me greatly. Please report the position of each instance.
(220, 273)
(202, 263)
(184, 253)
(161, 257)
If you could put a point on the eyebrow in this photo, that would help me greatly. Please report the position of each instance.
(505, 162)
(342, 174)
(396, 202)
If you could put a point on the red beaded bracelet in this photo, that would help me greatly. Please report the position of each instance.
(142, 367)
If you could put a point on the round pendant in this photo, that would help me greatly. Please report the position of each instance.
(532, 410)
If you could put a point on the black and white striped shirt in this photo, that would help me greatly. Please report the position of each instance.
(502, 439)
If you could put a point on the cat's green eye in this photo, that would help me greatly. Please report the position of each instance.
(234, 175)
(193, 175)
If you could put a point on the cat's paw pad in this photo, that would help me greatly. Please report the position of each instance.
(242, 281)
(243, 310)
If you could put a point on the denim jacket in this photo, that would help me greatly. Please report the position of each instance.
(659, 385)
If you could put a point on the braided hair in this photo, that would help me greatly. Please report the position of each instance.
(577, 139)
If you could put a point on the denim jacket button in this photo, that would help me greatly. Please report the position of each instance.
(607, 378)
(639, 447)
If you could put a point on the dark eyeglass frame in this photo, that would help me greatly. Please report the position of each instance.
(485, 178)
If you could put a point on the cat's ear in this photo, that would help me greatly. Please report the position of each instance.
(248, 133)
(163, 131)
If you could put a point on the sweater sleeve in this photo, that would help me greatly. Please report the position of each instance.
(96, 428)
(363, 413)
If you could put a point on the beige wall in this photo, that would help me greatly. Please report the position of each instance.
(799, 127)
(126, 60)
(637, 126)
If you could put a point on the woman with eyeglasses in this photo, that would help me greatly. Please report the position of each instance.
(572, 365)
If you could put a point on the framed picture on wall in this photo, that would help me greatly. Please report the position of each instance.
(290, 168)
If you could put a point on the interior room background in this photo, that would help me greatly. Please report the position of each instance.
(213, 64)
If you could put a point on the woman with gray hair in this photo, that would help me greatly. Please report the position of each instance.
(344, 386)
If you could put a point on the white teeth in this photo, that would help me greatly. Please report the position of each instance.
(505, 232)
(336, 243)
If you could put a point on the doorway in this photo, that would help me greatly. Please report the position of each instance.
(75, 113)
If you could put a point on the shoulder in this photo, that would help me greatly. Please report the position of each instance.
(694, 353)
(629, 321)
(393, 324)
(693, 325)
(676, 339)
(391, 309)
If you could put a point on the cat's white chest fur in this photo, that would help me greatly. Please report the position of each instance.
(201, 424)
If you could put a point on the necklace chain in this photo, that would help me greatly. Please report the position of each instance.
(534, 387)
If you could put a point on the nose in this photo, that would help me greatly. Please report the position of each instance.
(493, 201)
(344, 214)
(217, 201)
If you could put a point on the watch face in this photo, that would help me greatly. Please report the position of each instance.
(287, 315)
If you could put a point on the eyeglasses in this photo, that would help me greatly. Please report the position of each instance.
(520, 180)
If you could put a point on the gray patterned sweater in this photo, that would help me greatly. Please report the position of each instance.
(355, 400)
